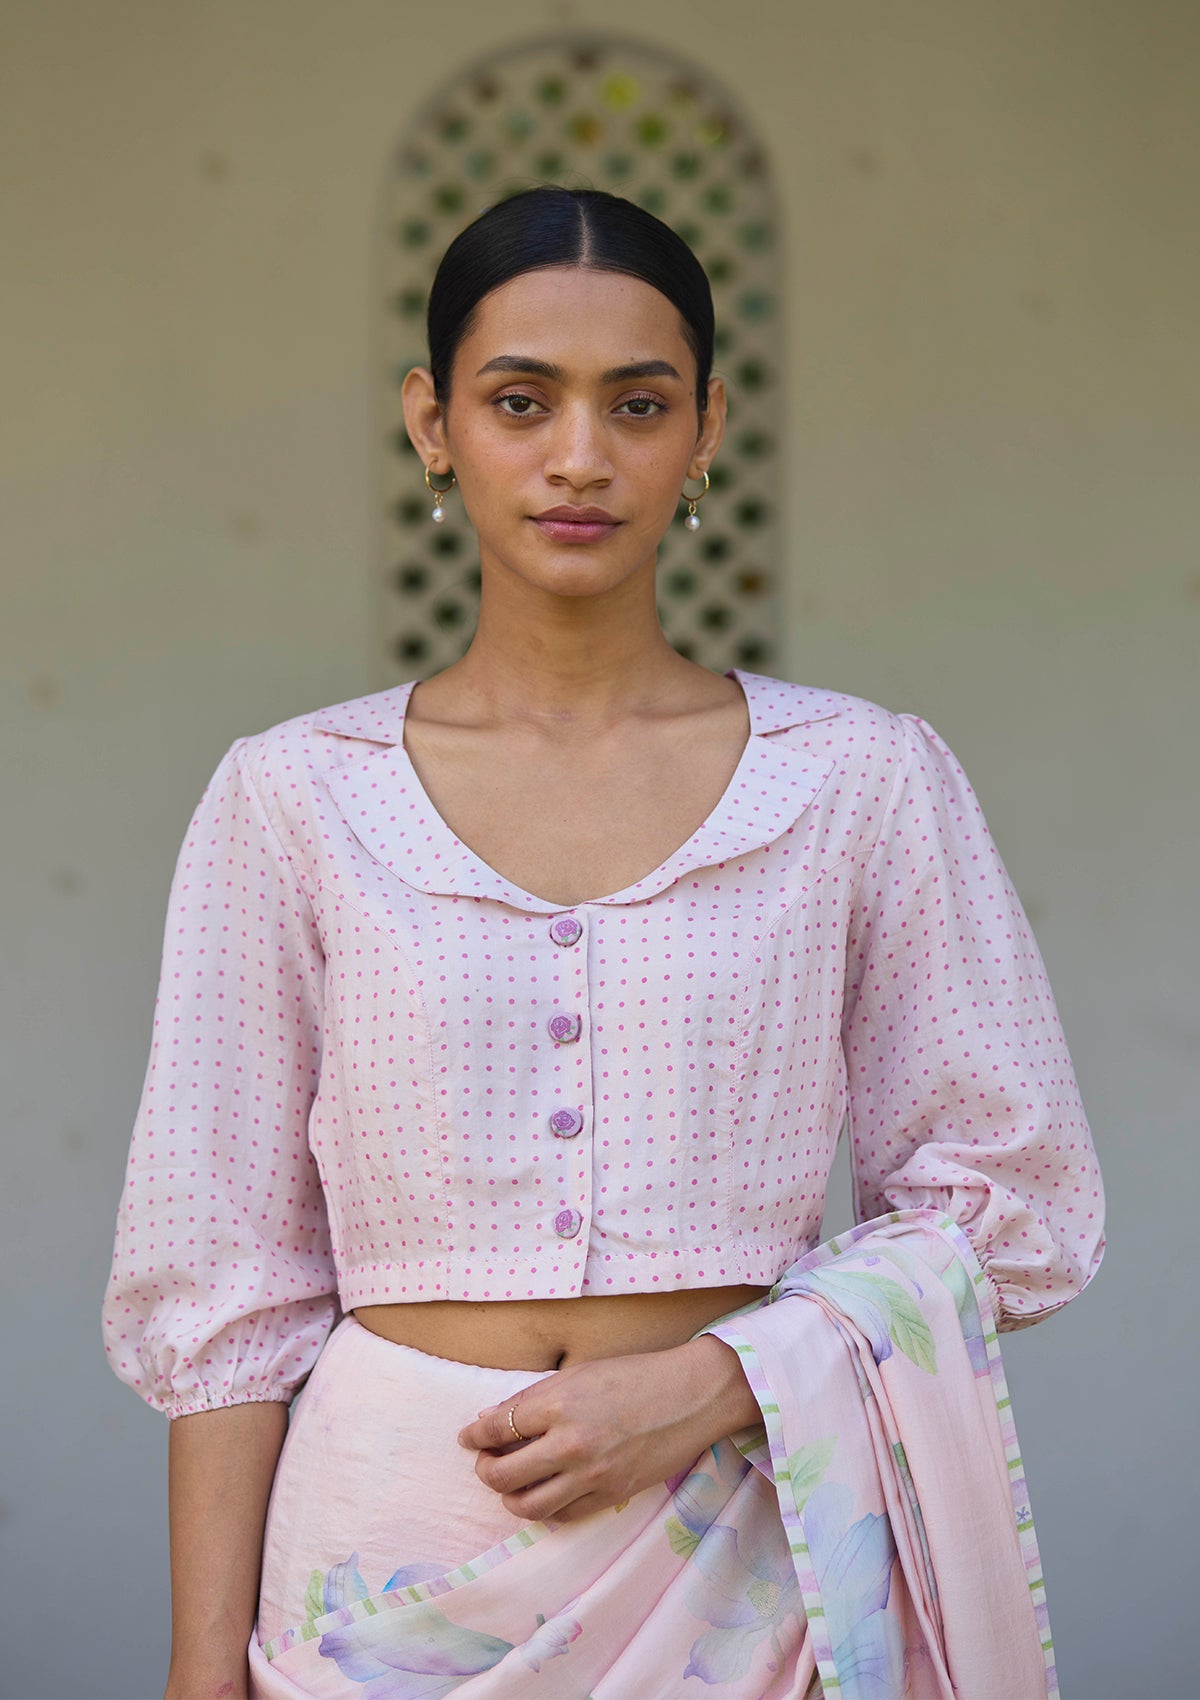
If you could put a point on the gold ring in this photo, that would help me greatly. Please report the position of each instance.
(517, 1435)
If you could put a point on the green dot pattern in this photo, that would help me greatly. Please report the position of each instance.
(595, 113)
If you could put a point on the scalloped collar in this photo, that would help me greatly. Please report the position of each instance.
(382, 800)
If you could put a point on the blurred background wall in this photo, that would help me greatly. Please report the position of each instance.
(988, 369)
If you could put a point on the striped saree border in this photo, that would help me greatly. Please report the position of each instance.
(396, 1598)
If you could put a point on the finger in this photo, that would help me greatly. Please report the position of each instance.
(492, 1429)
(517, 1468)
(536, 1481)
(489, 1430)
(563, 1498)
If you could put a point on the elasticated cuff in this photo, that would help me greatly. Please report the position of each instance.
(205, 1401)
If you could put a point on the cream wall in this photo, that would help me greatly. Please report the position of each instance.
(990, 210)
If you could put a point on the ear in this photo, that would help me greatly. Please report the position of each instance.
(712, 430)
(425, 421)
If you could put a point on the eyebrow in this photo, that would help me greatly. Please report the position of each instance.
(522, 363)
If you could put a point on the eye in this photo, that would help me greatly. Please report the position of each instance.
(521, 405)
(643, 406)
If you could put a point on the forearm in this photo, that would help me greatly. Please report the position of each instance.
(721, 1394)
(222, 1465)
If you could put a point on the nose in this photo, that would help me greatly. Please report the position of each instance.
(578, 452)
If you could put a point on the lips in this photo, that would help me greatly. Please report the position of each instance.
(576, 525)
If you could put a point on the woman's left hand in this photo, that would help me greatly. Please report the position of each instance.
(597, 1433)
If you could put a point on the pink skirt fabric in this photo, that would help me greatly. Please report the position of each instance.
(376, 1505)
(371, 1467)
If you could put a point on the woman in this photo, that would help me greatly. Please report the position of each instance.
(507, 1028)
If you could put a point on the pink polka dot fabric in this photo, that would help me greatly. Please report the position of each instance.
(381, 1072)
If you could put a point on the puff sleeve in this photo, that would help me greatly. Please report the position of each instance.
(961, 1092)
(223, 1288)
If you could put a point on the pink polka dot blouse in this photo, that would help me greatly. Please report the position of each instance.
(381, 1072)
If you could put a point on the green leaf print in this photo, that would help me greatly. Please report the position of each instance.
(882, 1306)
(683, 1541)
(955, 1277)
(911, 1332)
(314, 1597)
(807, 1465)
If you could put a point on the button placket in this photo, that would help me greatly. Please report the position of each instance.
(571, 1109)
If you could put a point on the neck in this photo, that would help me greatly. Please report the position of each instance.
(581, 662)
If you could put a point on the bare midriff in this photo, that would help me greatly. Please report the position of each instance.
(542, 1334)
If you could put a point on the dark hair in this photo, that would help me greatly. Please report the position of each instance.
(550, 226)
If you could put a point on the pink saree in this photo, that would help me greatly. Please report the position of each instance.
(872, 1540)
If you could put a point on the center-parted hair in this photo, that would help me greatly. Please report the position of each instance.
(552, 226)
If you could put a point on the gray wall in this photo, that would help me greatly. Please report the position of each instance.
(991, 518)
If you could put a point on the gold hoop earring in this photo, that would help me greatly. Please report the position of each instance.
(693, 518)
(439, 512)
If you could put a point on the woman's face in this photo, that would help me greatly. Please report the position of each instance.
(571, 426)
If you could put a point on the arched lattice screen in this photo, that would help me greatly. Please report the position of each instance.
(608, 114)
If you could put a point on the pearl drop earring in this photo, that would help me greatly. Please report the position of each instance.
(693, 518)
(439, 512)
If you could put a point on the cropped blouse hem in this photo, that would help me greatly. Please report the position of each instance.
(191, 1404)
(471, 1279)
